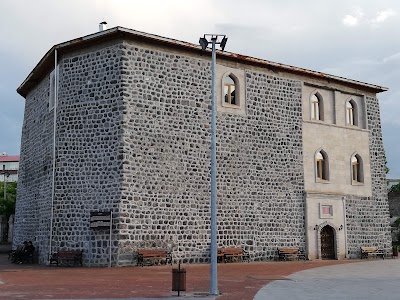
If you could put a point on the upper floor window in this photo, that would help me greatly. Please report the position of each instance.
(357, 169)
(230, 91)
(351, 113)
(317, 112)
(322, 165)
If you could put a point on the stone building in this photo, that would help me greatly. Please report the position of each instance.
(8, 173)
(300, 159)
(9, 167)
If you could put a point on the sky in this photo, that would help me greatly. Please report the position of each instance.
(353, 39)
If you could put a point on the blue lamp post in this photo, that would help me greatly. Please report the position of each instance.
(214, 39)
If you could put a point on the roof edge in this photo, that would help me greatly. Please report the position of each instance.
(48, 59)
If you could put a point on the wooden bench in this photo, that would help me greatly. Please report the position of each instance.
(371, 251)
(153, 256)
(288, 253)
(67, 257)
(230, 254)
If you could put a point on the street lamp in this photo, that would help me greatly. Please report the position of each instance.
(214, 39)
(5, 183)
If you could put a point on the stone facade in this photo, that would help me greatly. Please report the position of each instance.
(368, 217)
(165, 196)
(33, 206)
(133, 137)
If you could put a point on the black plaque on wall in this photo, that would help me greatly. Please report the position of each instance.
(100, 220)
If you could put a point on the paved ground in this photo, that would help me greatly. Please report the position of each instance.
(370, 280)
(236, 281)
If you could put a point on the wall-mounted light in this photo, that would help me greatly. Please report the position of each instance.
(341, 227)
(316, 227)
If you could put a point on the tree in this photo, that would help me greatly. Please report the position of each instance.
(7, 206)
(395, 188)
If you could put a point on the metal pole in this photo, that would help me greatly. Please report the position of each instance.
(5, 185)
(179, 279)
(54, 152)
(344, 227)
(90, 246)
(213, 246)
(111, 220)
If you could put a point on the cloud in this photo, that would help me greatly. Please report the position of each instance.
(395, 58)
(351, 21)
(382, 16)
(357, 18)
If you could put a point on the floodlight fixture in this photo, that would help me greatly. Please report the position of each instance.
(223, 42)
(203, 43)
(216, 39)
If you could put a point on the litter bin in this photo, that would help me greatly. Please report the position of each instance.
(179, 279)
(395, 251)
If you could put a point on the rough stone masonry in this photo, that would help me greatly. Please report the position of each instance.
(133, 137)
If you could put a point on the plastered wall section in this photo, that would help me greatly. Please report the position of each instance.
(316, 220)
(339, 141)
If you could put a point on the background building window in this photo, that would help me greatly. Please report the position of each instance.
(230, 90)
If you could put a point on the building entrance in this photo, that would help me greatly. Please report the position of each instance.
(328, 243)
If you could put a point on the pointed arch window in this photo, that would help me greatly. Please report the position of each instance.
(357, 169)
(322, 165)
(317, 111)
(351, 113)
(230, 90)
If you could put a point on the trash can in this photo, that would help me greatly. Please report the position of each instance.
(179, 280)
(395, 251)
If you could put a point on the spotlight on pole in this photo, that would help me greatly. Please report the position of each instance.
(214, 39)
(203, 43)
(223, 43)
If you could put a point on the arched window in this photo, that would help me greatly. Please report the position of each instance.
(357, 169)
(317, 109)
(230, 90)
(322, 165)
(351, 113)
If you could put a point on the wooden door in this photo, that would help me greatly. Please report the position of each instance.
(328, 243)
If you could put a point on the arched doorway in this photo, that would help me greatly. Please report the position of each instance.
(328, 243)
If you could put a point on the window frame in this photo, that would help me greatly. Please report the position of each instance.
(229, 86)
(356, 169)
(316, 107)
(351, 113)
(321, 166)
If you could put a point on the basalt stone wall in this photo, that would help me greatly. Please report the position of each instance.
(32, 218)
(368, 218)
(88, 156)
(166, 166)
(89, 151)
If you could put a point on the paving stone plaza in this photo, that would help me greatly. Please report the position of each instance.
(132, 136)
